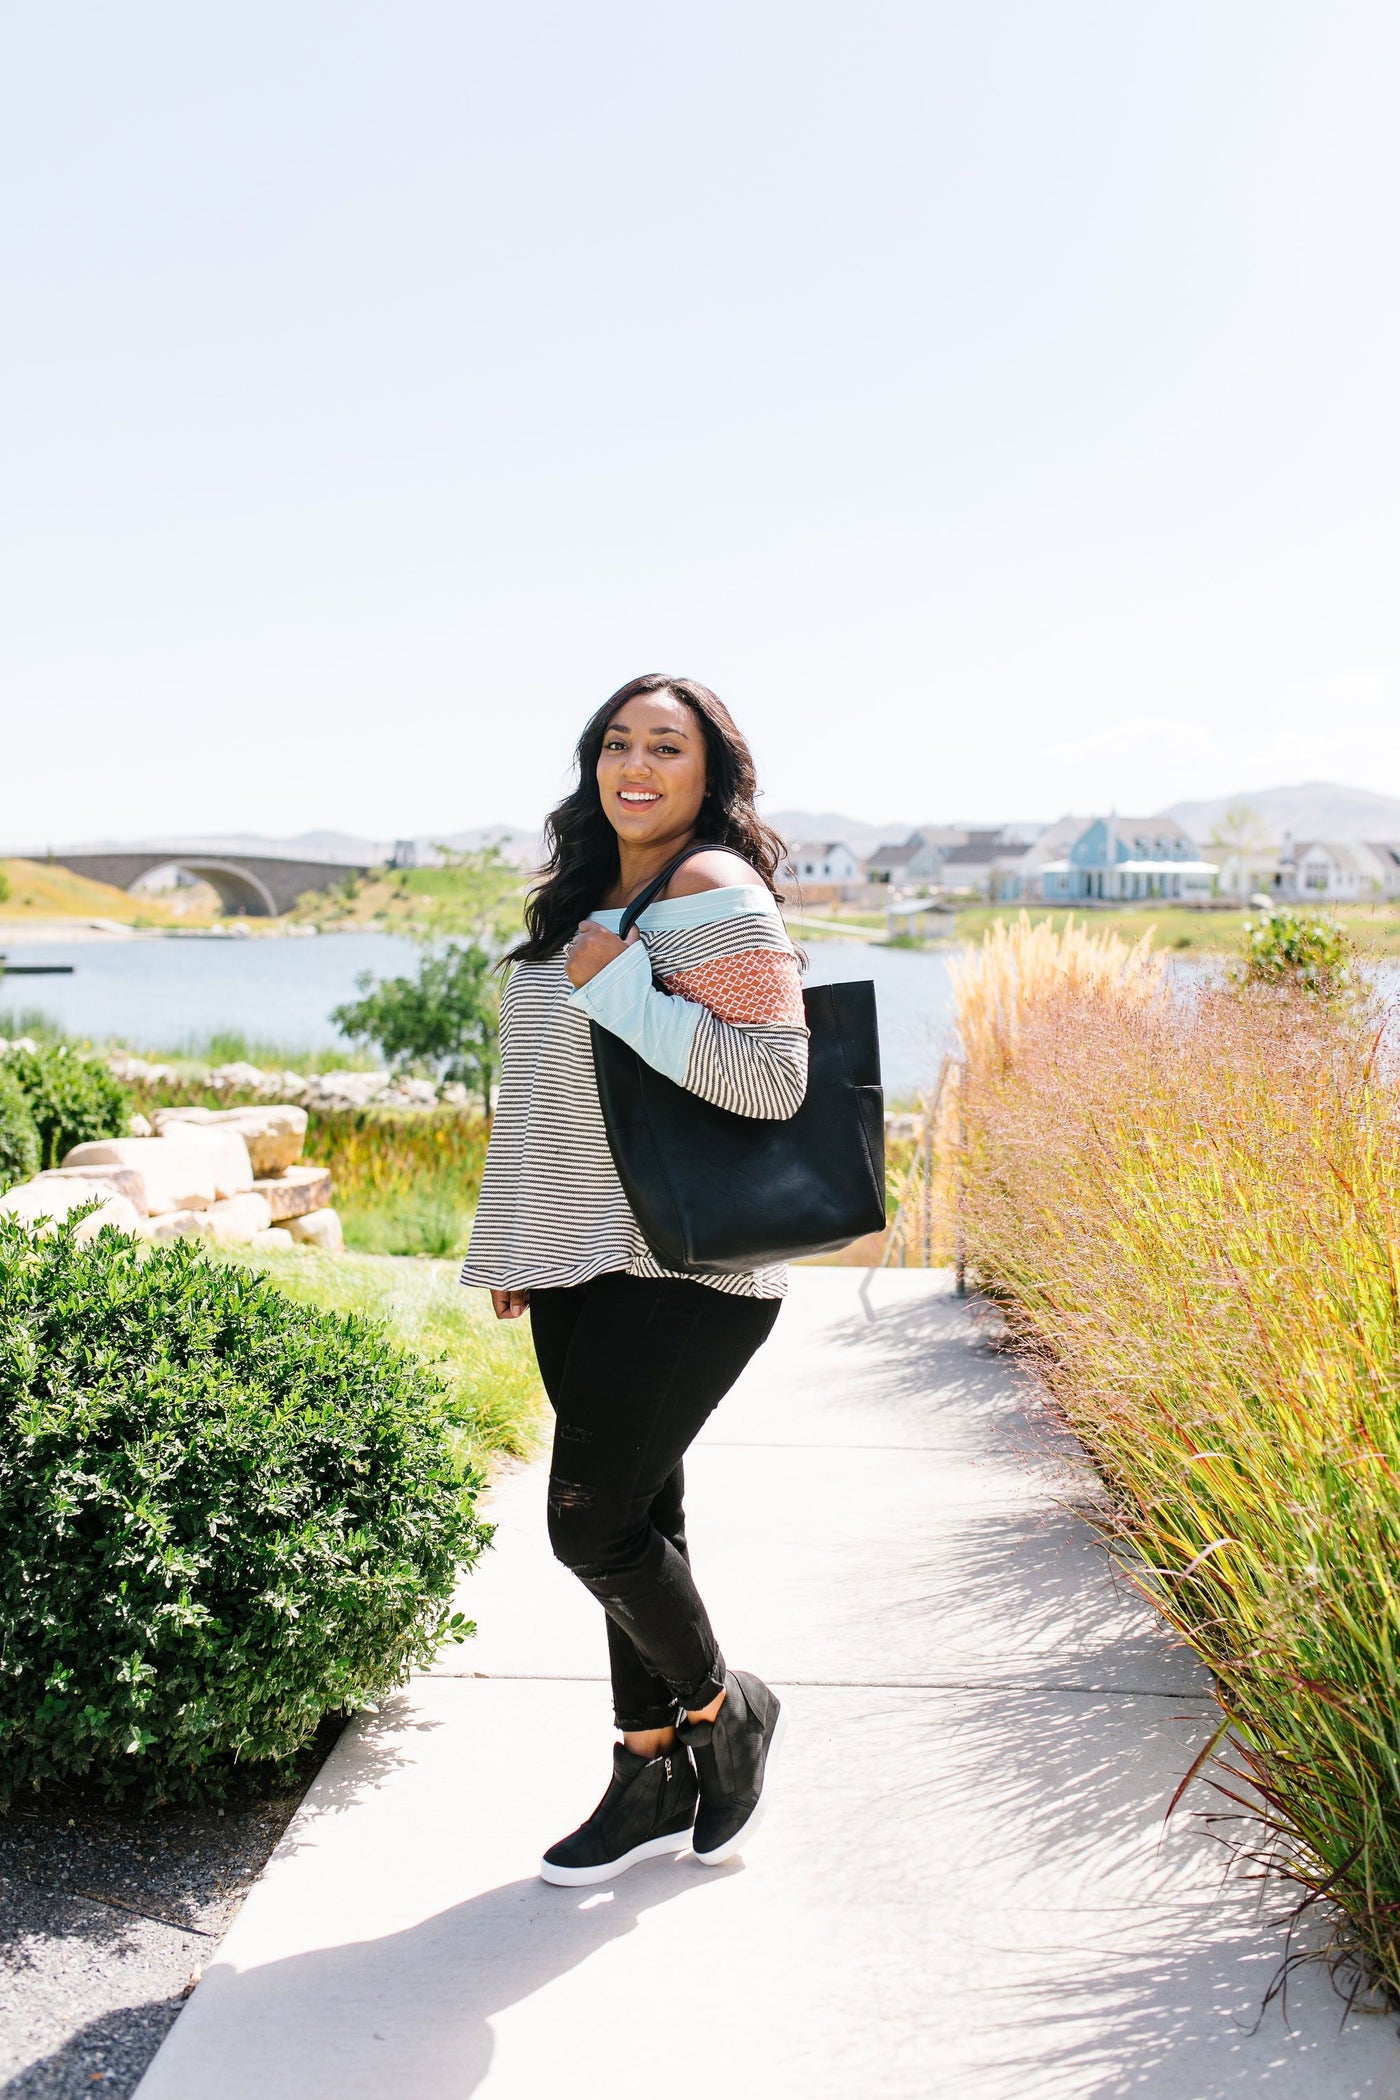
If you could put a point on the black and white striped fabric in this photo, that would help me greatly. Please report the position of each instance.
(552, 1211)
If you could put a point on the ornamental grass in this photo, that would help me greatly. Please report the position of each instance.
(1190, 1207)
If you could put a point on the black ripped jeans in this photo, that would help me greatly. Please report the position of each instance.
(634, 1365)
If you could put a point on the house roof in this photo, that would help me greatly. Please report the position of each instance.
(895, 856)
(819, 848)
(976, 850)
(1342, 856)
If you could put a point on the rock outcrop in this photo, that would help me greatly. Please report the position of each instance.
(124, 1181)
(49, 1198)
(295, 1191)
(233, 1176)
(185, 1172)
(237, 1220)
(274, 1135)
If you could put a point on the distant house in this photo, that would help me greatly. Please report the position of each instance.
(1109, 859)
(1015, 873)
(919, 858)
(824, 861)
(1338, 872)
(1386, 853)
(968, 866)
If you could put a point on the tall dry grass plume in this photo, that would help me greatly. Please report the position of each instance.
(1191, 1207)
(1017, 967)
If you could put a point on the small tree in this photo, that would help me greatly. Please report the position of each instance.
(1241, 837)
(447, 1018)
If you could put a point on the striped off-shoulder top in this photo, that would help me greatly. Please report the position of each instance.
(710, 995)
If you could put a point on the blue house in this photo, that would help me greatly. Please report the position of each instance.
(1118, 860)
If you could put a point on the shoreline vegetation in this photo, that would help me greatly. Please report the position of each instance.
(45, 900)
(1186, 1211)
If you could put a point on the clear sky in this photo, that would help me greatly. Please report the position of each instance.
(996, 402)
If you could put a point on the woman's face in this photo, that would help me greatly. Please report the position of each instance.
(651, 770)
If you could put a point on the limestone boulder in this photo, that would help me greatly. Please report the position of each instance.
(236, 1078)
(274, 1135)
(136, 1068)
(181, 1225)
(124, 1181)
(345, 1089)
(410, 1093)
(282, 1086)
(33, 1202)
(295, 1191)
(240, 1219)
(188, 1170)
(276, 1240)
(318, 1228)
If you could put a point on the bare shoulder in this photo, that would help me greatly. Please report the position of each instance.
(718, 869)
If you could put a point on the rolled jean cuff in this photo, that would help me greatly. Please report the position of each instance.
(694, 1698)
(638, 1718)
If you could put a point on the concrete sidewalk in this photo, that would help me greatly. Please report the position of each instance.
(963, 1887)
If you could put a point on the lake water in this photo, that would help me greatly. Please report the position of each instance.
(161, 994)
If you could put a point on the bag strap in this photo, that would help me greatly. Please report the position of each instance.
(658, 883)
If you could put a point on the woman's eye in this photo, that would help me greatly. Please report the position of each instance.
(668, 750)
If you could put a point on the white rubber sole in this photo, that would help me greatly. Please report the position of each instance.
(741, 1836)
(584, 1877)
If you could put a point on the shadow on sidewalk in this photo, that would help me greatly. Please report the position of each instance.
(417, 2002)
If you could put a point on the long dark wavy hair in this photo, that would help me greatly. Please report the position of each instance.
(582, 860)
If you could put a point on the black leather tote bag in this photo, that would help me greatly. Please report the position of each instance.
(718, 1192)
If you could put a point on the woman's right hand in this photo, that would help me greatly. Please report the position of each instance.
(509, 1305)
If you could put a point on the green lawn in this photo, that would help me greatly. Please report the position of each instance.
(1374, 927)
(487, 1365)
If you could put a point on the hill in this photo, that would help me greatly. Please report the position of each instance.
(1318, 809)
(42, 890)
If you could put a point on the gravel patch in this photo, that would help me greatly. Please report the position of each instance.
(107, 1917)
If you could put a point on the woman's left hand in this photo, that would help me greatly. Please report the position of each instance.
(592, 949)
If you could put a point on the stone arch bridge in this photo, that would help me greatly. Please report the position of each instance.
(250, 885)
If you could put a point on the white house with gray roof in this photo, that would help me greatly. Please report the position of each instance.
(1329, 870)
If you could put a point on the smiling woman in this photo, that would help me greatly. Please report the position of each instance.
(688, 773)
(635, 1355)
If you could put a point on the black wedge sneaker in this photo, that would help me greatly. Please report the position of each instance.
(733, 1754)
(647, 1810)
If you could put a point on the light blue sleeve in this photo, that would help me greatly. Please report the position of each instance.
(624, 1000)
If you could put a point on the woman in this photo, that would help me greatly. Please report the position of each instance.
(635, 1356)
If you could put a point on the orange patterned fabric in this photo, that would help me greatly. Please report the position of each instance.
(761, 986)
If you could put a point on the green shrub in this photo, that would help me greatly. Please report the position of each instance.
(222, 1515)
(19, 1133)
(74, 1099)
(1297, 951)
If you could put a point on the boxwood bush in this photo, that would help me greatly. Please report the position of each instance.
(73, 1098)
(222, 1516)
(20, 1150)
